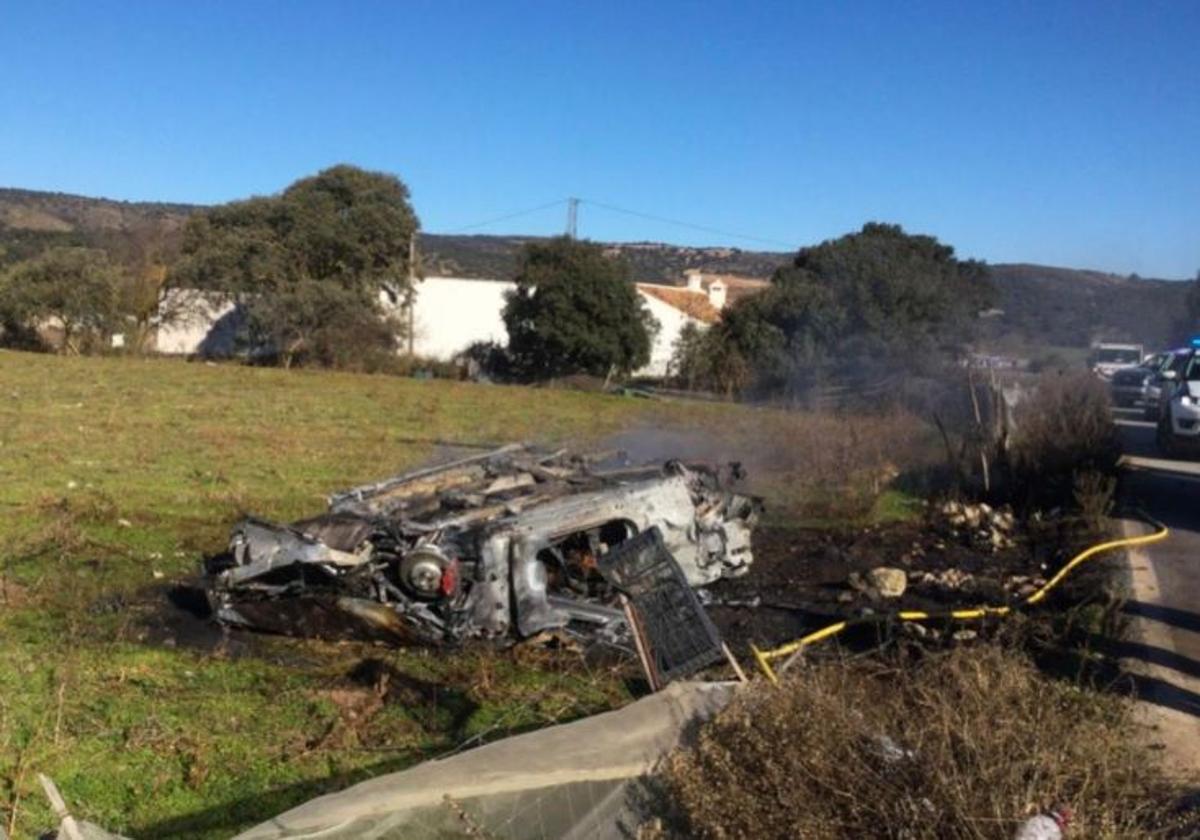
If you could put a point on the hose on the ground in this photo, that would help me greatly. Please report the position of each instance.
(765, 657)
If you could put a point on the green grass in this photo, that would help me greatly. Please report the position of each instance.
(118, 475)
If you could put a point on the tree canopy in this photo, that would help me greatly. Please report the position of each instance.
(880, 296)
(575, 310)
(311, 265)
(75, 290)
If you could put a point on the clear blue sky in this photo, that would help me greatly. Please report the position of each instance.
(1055, 132)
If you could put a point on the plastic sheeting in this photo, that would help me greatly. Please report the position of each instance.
(579, 780)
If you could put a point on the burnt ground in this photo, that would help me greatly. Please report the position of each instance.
(798, 581)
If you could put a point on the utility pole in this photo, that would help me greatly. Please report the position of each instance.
(412, 292)
(572, 217)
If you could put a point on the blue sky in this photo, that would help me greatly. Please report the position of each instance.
(1055, 132)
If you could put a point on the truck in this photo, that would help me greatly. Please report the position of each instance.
(1109, 357)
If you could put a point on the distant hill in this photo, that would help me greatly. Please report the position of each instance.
(1072, 308)
(30, 221)
(1040, 305)
(652, 262)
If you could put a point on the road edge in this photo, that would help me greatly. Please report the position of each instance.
(1175, 733)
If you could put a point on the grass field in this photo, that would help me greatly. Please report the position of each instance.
(118, 475)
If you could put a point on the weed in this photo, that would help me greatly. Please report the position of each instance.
(964, 744)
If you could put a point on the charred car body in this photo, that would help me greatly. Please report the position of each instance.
(502, 546)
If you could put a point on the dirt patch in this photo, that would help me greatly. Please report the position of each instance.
(12, 594)
(800, 578)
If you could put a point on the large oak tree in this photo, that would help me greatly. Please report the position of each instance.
(575, 310)
(312, 267)
(871, 302)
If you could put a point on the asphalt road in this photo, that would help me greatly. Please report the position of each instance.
(1163, 654)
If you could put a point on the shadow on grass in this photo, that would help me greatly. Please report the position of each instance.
(241, 813)
(1104, 673)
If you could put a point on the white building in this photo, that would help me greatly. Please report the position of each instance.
(451, 313)
(196, 323)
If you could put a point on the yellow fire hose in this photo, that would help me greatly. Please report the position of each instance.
(764, 657)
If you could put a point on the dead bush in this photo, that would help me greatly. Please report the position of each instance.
(812, 465)
(965, 744)
(1063, 432)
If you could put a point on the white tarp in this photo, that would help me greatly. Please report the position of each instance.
(577, 780)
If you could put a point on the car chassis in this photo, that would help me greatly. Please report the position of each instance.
(500, 546)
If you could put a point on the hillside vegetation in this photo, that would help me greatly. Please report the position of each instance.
(1042, 305)
(1073, 308)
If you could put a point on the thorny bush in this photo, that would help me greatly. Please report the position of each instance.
(1064, 445)
(966, 744)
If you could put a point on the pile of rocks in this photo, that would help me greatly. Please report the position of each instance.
(984, 527)
(949, 579)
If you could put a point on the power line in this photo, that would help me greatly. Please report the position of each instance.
(572, 215)
(519, 213)
(703, 228)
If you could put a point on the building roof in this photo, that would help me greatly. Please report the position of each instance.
(737, 286)
(693, 304)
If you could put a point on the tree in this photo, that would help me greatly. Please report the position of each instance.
(575, 310)
(74, 290)
(312, 266)
(143, 252)
(879, 296)
(702, 360)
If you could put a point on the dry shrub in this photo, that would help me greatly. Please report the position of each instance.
(809, 464)
(1064, 430)
(830, 465)
(965, 744)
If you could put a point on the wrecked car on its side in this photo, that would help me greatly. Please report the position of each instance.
(501, 546)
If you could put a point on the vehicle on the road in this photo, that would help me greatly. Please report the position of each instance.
(1128, 386)
(1179, 426)
(1107, 358)
(1159, 388)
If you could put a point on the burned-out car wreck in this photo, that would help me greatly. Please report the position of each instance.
(503, 546)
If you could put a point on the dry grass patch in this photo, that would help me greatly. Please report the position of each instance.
(963, 745)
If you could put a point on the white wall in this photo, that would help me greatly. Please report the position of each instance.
(670, 323)
(196, 316)
(452, 313)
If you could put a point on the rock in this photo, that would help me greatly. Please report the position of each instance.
(948, 578)
(889, 581)
(965, 635)
(857, 582)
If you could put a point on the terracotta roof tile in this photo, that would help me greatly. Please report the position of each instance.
(693, 304)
